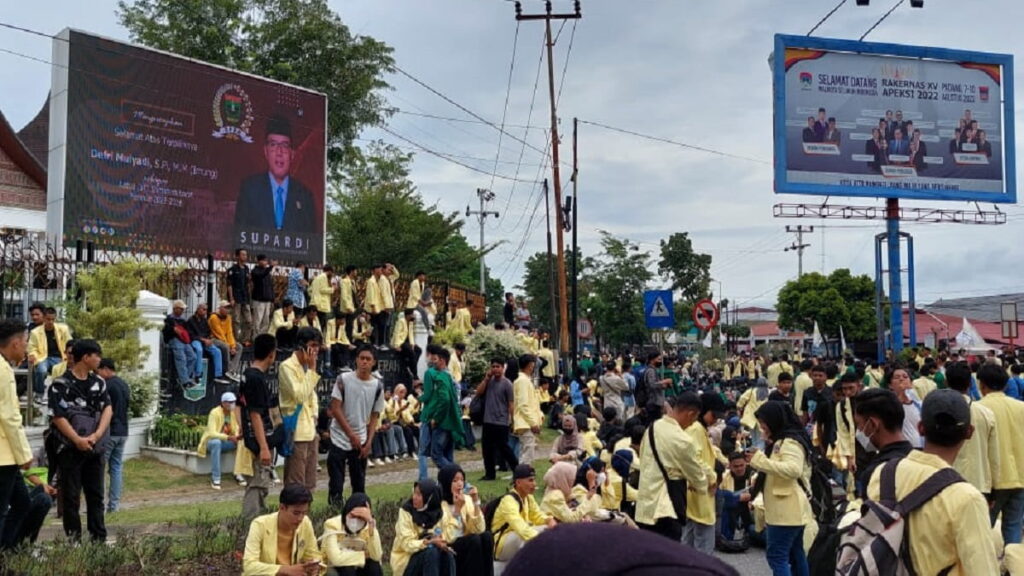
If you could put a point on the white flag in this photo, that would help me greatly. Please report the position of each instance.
(818, 341)
(722, 338)
(842, 340)
(707, 340)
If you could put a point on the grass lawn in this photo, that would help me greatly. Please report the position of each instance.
(147, 478)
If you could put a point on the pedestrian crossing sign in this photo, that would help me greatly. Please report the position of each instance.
(658, 309)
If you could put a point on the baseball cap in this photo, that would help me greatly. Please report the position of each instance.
(943, 409)
(223, 304)
(228, 397)
(523, 471)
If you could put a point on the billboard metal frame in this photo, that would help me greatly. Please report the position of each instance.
(782, 184)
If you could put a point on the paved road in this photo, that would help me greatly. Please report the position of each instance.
(750, 563)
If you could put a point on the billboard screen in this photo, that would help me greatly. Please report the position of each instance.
(159, 154)
(885, 120)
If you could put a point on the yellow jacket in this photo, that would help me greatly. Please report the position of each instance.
(681, 459)
(402, 334)
(215, 428)
(348, 300)
(387, 289)
(320, 292)
(278, 321)
(700, 504)
(415, 293)
(222, 329)
(335, 334)
(527, 407)
(555, 505)
(337, 556)
(59, 370)
(260, 558)
(951, 529)
(472, 520)
(785, 501)
(549, 357)
(372, 300)
(611, 495)
(455, 367)
(801, 384)
(978, 459)
(1009, 415)
(846, 436)
(408, 541)
(37, 341)
(406, 411)
(298, 386)
(521, 522)
(924, 386)
(748, 405)
(460, 321)
(14, 447)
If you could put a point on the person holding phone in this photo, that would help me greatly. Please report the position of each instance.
(463, 525)
(420, 547)
(283, 542)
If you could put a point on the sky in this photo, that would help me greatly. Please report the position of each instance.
(692, 72)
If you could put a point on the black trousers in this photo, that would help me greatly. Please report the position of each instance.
(372, 568)
(668, 527)
(412, 438)
(350, 322)
(286, 337)
(337, 459)
(474, 554)
(340, 357)
(496, 448)
(408, 356)
(380, 328)
(82, 472)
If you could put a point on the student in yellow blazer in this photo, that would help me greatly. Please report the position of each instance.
(419, 538)
(320, 292)
(844, 453)
(786, 505)
(15, 452)
(223, 434)
(462, 523)
(338, 344)
(699, 531)
(347, 299)
(263, 554)
(1008, 487)
(351, 539)
(298, 378)
(979, 459)
(558, 501)
(283, 324)
(416, 287)
(39, 357)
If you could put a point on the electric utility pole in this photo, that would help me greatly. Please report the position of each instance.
(799, 245)
(482, 214)
(547, 17)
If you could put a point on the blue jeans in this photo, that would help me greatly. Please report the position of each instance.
(442, 447)
(218, 362)
(425, 446)
(1011, 504)
(115, 464)
(785, 550)
(214, 447)
(40, 372)
(184, 360)
(513, 441)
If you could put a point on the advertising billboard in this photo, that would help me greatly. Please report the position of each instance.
(892, 121)
(159, 154)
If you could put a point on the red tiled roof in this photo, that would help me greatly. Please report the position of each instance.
(771, 329)
(992, 332)
(36, 135)
(15, 149)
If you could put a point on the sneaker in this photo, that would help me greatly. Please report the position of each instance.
(234, 377)
(388, 459)
(222, 381)
(508, 477)
(369, 463)
(215, 485)
(381, 462)
(241, 480)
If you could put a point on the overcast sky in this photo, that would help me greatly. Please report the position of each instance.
(689, 71)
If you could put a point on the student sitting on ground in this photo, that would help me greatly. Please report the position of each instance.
(463, 525)
(420, 548)
(351, 542)
(569, 446)
(283, 542)
(560, 502)
(518, 519)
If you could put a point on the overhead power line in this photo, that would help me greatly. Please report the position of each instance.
(675, 143)
(827, 16)
(447, 157)
(504, 110)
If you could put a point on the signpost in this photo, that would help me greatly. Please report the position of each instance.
(658, 309)
(705, 314)
(1009, 321)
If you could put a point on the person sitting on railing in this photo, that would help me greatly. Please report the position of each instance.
(284, 324)
(176, 336)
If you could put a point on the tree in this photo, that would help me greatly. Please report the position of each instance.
(495, 299)
(536, 287)
(689, 271)
(378, 216)
(839, 299)
(615, 297)
(302, 42)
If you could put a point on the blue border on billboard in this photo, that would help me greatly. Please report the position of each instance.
(782, 184)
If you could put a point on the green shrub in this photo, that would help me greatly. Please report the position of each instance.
(487, 343)
(179, 431)
(143, 393)
(448, 337)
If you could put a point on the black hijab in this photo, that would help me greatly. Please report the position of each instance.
(445, 477)
(782, 423)
(356, 500)
(593, 463)
(431, 513)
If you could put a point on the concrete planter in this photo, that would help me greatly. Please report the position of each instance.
(138, 432)
(189, 460)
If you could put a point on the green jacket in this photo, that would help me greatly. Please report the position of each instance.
(442, 405)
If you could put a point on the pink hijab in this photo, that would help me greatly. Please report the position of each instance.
(560, 477)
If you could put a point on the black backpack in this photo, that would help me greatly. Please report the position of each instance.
(823, 500)
(822, 557)
(490, 508)
(641, 394)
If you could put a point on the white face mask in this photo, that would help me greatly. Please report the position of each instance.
(865, 441)
(601, 477)
(355, 525)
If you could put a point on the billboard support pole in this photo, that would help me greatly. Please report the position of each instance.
(210, 279)
(910, 288)
(892, 224)
(879, 293)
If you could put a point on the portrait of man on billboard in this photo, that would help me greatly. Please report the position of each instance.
(274, 201)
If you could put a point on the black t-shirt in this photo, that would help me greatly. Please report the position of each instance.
(238, 283)
(52, 348)
(262, 284)
(68, 394)
(813, 399)
(509, 314)
(777, 396)
(254, 396)
(119, 398)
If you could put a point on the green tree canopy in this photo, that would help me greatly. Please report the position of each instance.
(616, 282)
(689, 271)
(302, 42)
(536, 287)
(839, 299)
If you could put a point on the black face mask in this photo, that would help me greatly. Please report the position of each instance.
(657, 364)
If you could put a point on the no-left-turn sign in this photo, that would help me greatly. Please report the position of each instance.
(705, 314)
